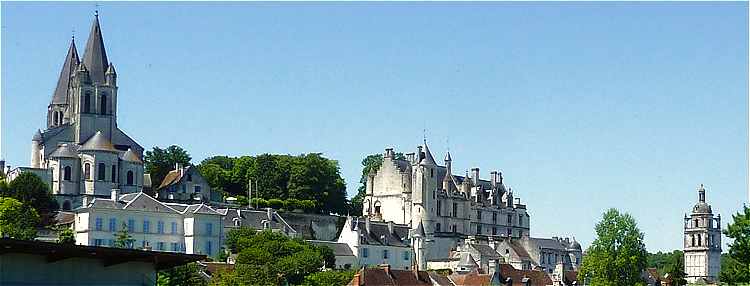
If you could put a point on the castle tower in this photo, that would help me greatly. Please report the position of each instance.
(425, 189)
(702, 242)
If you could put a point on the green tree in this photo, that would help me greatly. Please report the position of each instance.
(32, 191)
(158, 162)
(17, 220)
(668, 263)
(183, 275)
(737, 267)
(66, 236)
(123, 238)
(329, 278)
(617, 256)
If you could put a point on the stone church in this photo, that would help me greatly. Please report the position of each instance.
(416, 189)
(82, 149)
(702, 244)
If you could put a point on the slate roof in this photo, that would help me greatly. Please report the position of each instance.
(98, 142)
(65, 151)
(519, 250)
(95, 56)
(253, 219)
(379, 234)
(467, 261)
(200, 209)
(131, 156)
(339, 248)
(428, 159)
(486, 251)
(549, 243)
(60, 96)
(535, 277)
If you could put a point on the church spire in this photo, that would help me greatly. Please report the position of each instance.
(63, 83)
(95, 56)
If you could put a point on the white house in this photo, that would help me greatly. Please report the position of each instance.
(192, 229)
(375, 243)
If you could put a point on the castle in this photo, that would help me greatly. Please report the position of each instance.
(82, 151)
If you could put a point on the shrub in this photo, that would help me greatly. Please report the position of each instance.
(276, 204)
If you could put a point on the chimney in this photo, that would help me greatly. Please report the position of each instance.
(500, 177)
(367, 224)
(420, 154)
(493, 179)
(390, 227)
(410, 157)
(475, 175)
(115, 194)
(388, 153)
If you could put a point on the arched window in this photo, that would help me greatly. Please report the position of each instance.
(101, 172)
(87, 171)
(437, 227)
(87, 102)
(377, 207)
(66, 173)
(66, 205)
(130, 178)
(103, 104)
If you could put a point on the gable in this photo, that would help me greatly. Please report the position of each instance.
(146, 203)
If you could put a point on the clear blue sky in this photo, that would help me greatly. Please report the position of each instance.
(583, 106)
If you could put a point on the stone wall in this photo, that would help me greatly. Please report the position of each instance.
(315, 226)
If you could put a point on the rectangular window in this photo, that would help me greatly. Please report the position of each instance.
(479, 229)
(146, 226)
(131, 225)
(494, 230)
(439, 207)
(209, 250)
(453, 228)
(197, 189)
(160, 227)
(479, 214)
(175, 247)
(455, 209)
(160, 245)
(494, 217)
(112, 224)
(98, 242)
(520, 220)
(406, 255)
(365, 252)
(98, 224)
(209, 229)
(510, 232)
(385, 253)
(174, 227)
(111, 243)
(510, 219)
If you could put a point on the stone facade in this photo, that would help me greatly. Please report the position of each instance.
(86, 154)
(702, 242)
(450, 207)
(375, 243)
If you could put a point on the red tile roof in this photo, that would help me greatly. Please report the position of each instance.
(385, 276)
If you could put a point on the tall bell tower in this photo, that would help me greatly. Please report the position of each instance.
(702, 242)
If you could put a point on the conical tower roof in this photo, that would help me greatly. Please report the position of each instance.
(63, 83)
(131, 156)
(428, 159)
(98, 143)
(95, 56)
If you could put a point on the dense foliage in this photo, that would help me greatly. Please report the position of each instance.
(280, 178)
(32, 191)
(158, 162)
(735, 267)
(183, 275)
(17, 220)
(370, 163)
(123, 239)
(267, 258)
(617, 256)
(329, 278)
(669, 263)
(66, 236)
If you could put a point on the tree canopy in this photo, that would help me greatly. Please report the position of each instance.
(735, 267)
(267, 258)
(617, 256)
(17, 220)
(307, 177)
(669, 263)
(30, 190)
(158, 162)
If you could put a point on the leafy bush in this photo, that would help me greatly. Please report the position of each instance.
(276, 204)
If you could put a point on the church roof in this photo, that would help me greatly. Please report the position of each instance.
(60, 96)
(65, 151)
(131, 156)
(98, 143)
(95, 56)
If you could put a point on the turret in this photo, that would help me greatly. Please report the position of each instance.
(36, 150)
(447, 180)
(111, 75)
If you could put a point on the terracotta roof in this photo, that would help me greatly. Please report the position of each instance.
(518, 277)
(98, 143)
(471, 279)
(390, 277)
(570, 276)
(440, 280)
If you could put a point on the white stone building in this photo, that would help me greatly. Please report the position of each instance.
(82, 148)
(450, 207)
(702, 242)
(191, 229)
(375, 243)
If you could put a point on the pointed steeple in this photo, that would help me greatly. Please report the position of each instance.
(95, 56)
(428, 159)
(63, 83)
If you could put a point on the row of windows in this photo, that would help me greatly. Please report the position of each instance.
(101, 173)
(102, 103)
(146, 227)
(160, 245)
(366, 253)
